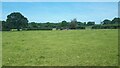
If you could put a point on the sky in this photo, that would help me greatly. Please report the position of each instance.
(55, 12)
(60, 0)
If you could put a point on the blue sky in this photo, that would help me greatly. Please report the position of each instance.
(60, 0)
(59, 11)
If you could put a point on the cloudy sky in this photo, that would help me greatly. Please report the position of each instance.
(59, 11)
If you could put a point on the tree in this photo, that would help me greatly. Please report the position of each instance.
(106, 21)
(116, 21)
(0, 25)
(33, 25)
(73, 24)
(64, 24)
(49, 25)
(98, 26)
(80, 24)
(85, 24)
(4, 25)
(90, 23)
(17, 21)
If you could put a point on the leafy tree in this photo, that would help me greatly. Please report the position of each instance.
(90, 23)
(0, 25)
(64, 24)
(17, 21)
(73, 24)
(48, 24)
(5, 26)
(84, 23)
(106, 21)
(98, 26)
(116, 21)
(33, 25)
(80, 24)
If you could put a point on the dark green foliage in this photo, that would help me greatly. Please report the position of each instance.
(90, 23)
(33, 25)
(16, 21)
(49, 25)
(85, 23)
(108, 24)
(80, 27)
(106, 21)
(73, 24)
(64, 24)
(96, 27)
(5, 26)
(116, 21)
(0, 25)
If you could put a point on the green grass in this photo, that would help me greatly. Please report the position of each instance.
(0, 49)
(61, 48)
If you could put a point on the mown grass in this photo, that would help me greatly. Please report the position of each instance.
(61, 48)
(0, 49)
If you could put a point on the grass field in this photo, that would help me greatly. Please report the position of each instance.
(61, 48)
(0, 49)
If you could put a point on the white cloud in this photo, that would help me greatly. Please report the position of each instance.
(60, 0)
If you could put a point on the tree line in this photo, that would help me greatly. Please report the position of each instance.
(17, 21)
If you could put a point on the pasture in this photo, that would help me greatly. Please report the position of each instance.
(60, 48)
